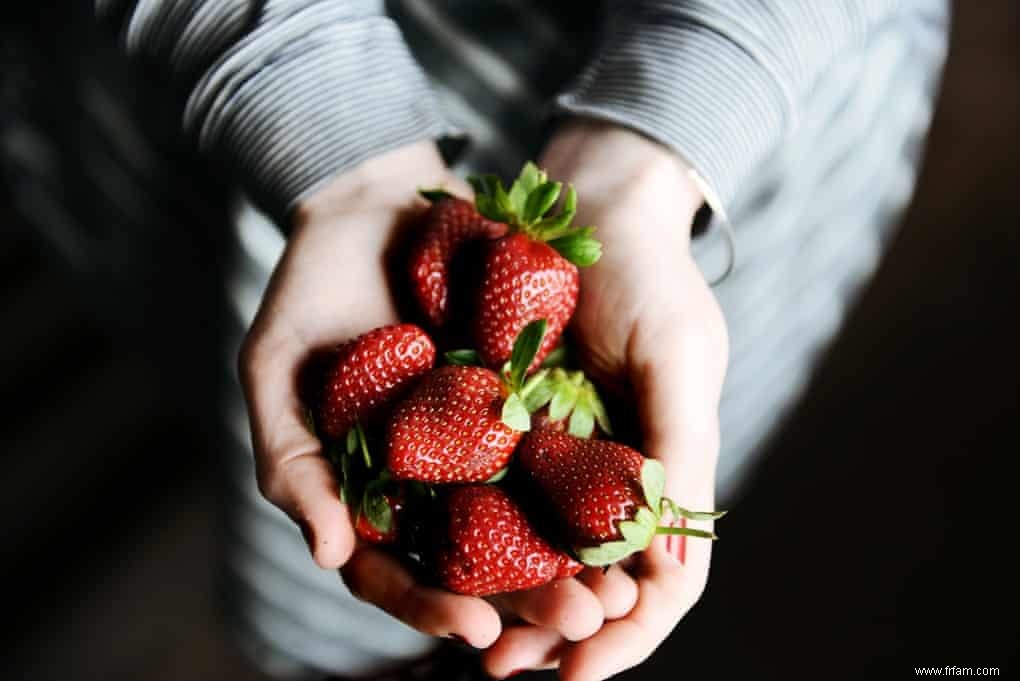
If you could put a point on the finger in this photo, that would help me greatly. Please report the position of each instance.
(522, 648)
(378, 578)
(679, 405)
(566, 606)
(292, 473)
(667, 591)
(615, 589)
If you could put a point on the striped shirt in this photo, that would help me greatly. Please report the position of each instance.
(803, 118)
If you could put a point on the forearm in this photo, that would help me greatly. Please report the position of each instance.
(286, 94)
(720, 82)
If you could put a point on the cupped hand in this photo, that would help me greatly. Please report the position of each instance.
(646, 325)
(332, 284)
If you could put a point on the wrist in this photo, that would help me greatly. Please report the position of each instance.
(610, 165)
(390, 179)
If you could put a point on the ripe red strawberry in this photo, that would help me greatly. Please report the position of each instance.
(489, 547)
(523, 280)
(607, 496)
(378, 518)
(450, 428)
(568, 567)
(461, 423)
(369, 372)
(449, 223)
(532, 272)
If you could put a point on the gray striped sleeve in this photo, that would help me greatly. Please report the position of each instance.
(720, 81)
(287, 93)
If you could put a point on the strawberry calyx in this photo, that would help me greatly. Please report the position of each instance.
(379, 504)
(352, 461)
(371, 495)
(526, 209)
(639, 531)
(569, 394)
(515, 414)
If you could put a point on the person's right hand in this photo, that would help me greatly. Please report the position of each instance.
(331, 285)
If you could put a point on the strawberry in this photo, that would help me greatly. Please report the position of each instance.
(461, 423)
(449, 223)
(374, 499)
(368, 373)
(450, 429)
(607, 496)
(568, 567)
(523, 280)
(489, 547)
(532, 272)
(378, 517)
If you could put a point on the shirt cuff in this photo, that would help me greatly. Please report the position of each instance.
(290, 107)
(691, 89)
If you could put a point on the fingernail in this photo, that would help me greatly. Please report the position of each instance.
(514, 673)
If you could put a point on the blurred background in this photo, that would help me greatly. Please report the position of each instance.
(876, 535)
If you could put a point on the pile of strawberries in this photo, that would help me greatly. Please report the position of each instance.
(493, 472)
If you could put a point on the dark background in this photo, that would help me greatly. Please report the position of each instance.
(877, 536)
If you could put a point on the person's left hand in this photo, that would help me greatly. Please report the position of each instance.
(647, 324)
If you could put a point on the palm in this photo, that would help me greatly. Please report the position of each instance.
(648, 326)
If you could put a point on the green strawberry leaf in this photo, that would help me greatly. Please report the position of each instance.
(599, 411)
(563, 401)
(554, 226)
(498, 475)
(606, 554)
(515, 414)
(377, 509)
(310, 421)
(525, 183)
(578, 247)
(491, 198)
(582, 420)
(653, 481)
(363, 445)
(463, 358)
(537, 392)
(352, 441)
(540, 200)
(639, 531)
(526, 346)
(346, 481)
(434, 195)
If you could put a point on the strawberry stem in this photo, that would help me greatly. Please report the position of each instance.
(686, 532)
(363, 445)
(682, 512)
